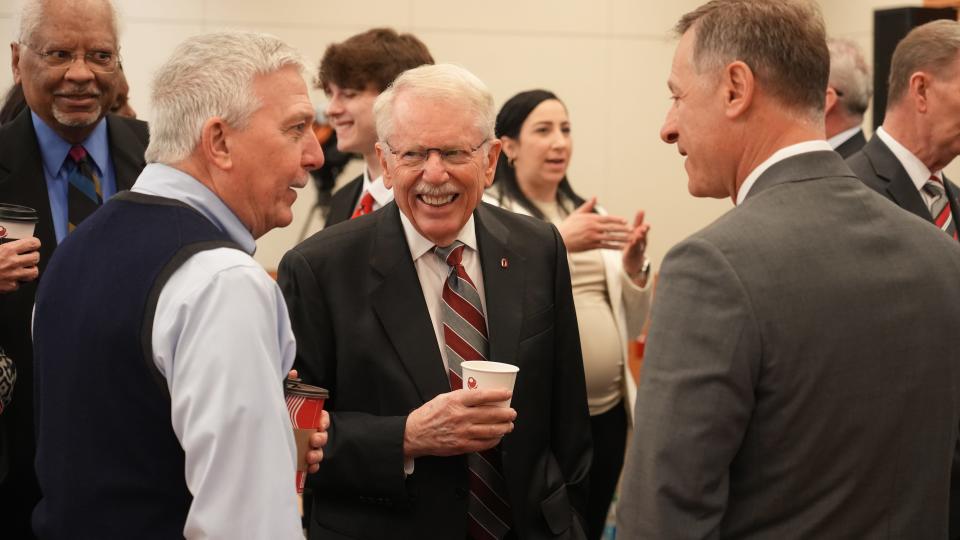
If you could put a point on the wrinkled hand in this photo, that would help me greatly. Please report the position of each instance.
(634, 251)
(317, 441)
(584, 230)
(18, 263)
(458, 422)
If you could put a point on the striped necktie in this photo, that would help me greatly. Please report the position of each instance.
(465, 338)
(940, 206)
(84, 193)
(365, 207)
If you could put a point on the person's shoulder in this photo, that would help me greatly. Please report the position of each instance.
(517, 223)
(344, 236)
(123, 128)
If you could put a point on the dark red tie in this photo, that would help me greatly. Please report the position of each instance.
(940, 206)
(465, 338)
(365, 206)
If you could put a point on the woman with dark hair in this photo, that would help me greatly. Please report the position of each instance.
(608, 267)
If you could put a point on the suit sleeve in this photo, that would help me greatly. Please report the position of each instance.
(572, 444)
(364, 452)
(695, 398)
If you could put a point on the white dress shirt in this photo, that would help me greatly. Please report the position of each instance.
(779, 155)
(843, 137)
(222, 339)
(381, 193)
(918, 172)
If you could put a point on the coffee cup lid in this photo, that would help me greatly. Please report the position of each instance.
(300, 388)
(14, 212)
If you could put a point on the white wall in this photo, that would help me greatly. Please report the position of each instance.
(607, 59)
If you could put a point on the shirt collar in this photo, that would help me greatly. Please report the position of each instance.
(377, 190)
(843, 137)
(165, 181)
(54, 150)
(916, 170)
(779, 155)
(420, 245)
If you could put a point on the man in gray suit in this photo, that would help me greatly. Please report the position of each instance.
(920, 134)
(801, 377)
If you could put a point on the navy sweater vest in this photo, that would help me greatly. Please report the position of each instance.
(108, 461)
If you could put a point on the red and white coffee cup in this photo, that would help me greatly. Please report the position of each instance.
(305, 405)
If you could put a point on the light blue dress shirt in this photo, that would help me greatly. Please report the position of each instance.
(53, 152)
(223, 342)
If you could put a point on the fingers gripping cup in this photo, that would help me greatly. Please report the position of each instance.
(305, 405)
(489, 375)
(16, 222)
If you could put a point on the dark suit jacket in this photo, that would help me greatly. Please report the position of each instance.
(880, 169)
(801, 376)
(851, 145)
(344, 202)
(22, 182)
(364, 332)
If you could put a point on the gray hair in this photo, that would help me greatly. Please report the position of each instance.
(850, 75)
(210, 76)
(931, 47)
(31, 17)
(783, 42)
(444, 82)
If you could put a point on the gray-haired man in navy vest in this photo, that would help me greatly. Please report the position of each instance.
(161, 346)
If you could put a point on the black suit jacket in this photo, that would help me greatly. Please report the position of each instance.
(22, 182)
(852, 145)
(879, 168)
(344, 202)
(364, 332)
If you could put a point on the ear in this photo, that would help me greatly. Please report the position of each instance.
(739, 85)
(492, 155)
(382, 158)
(918, 90)
(15, 61)
(510, 147)
(832, 100)
(215, 144)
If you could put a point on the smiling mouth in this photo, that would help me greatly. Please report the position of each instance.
(438, 200)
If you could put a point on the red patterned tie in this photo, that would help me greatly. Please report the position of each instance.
(940, 206)
(365, 206)
(465, 338)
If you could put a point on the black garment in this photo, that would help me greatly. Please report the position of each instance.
(609, 432)
(108, 461)
(852, 145)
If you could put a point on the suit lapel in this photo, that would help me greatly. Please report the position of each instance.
(398, 302)
(22, 181)
(126, 151)
(953, 196)
(503, 285)
(900, 187)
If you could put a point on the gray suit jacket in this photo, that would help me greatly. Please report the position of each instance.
(801, 377)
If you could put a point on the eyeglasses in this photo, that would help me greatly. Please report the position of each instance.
(98, 61)
(417, 158)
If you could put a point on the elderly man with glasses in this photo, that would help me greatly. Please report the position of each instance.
(62, 157)
(385, 308)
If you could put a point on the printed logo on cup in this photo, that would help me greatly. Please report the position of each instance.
(3, 232)
(472, 383)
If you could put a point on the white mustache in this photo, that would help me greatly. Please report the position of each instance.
(433, 190)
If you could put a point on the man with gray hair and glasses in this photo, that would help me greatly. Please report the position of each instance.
(386, 307)
(800, 377)
(848, 96)
(62, 157)
(920, 134)
(173, 406)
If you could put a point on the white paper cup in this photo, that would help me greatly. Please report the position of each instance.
(16, 222)
(489, 375)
